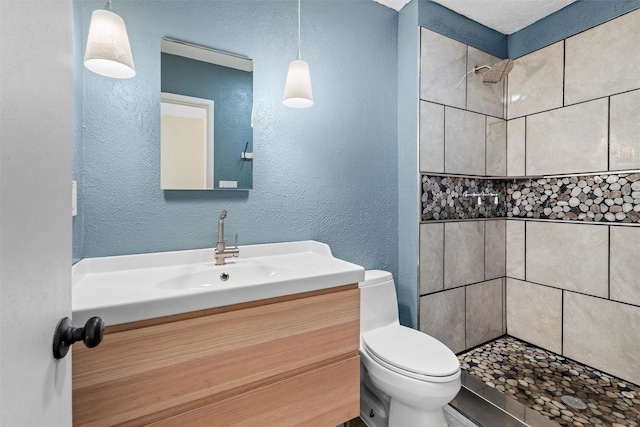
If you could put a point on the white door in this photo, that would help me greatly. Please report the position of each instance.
(36, 124)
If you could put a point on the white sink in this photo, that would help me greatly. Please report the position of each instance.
(129, 288)
(214, 277)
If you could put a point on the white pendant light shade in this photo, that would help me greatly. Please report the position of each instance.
(108, 52)
(297, 90)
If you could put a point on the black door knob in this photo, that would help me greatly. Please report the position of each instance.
(65, 335)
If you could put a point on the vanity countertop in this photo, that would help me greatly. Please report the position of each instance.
(129, 288)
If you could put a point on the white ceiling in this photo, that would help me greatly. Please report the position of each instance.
(505, 16)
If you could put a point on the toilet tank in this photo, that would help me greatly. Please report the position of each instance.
(378, 300)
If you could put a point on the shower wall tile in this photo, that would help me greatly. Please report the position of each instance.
(568, 256)
(625, 269)
(534, 314)
(442, 65)
(431, 258)
(442, 316)
(536, 82)
(483, 312)
(481, 98)
(602, 334)
(568, 140)
(515, 249)
(496, 147)
(431, 137)
(624, 136)
(465, 142)
(494, 238)
(463, 253)
(601, 61)
(516, 148)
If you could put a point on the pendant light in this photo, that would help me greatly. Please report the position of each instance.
(297, 90)
(108, 52)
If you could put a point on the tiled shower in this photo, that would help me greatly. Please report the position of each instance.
(555, 264)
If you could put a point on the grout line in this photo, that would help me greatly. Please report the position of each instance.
(609, 134)
(485, 145)
(484, 251)
(465, 317)
(562, 322)
(525, 252)
(466, 80)
(609, 263)
(504, 305)
(444, 138)
(444, 265)
(525, 145)
(564, 67)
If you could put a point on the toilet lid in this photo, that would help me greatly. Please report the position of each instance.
(411, 350)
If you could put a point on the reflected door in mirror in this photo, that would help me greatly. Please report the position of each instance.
(186, 135)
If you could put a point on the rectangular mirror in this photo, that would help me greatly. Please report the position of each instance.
(202, 148)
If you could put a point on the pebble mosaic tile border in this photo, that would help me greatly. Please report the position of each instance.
(549, 384)
(598, 198)
(606, 198)
(445, 197)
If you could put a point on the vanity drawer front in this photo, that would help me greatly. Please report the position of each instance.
(326, 396)
(150, 373)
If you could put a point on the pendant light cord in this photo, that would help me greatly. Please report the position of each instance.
(299, 56)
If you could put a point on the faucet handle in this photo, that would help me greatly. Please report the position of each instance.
(236, 240)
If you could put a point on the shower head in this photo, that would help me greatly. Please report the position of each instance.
(497, 72)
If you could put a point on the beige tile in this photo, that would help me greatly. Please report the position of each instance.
(481, 98)
(484, 312)
(603, 334)
(496, 147)
(494, 260)
(442, 65)
(431, 137)
(534, 314)
(568, 140)
(625, 268)
(515, 249)
(516, 147)
(535, 82)
(624, 137)
(431, 258)
(568, 256)
(602, 61)
(464, 142)
(442, 317)
(463, 253)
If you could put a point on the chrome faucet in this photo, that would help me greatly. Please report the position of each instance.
(222, 253)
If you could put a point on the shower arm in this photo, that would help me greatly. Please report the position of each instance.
(475, 70)
(481, 67)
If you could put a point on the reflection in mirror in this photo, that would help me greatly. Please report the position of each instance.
(226, 80)
(186, 137)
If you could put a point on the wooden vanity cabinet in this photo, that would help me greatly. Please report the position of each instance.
(287, 361)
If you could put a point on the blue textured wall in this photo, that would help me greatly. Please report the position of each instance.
(327, 173)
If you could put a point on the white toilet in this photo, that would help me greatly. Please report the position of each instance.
(407, 377)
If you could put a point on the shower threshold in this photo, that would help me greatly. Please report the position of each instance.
(511, 383)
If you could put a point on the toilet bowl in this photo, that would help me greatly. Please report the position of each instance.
(407, 377)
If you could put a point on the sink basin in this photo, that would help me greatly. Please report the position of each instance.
(130, 288)
(231, 274)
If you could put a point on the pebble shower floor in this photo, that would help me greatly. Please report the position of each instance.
(547, 382)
